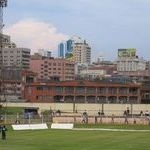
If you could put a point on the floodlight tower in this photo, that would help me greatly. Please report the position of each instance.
(3, 3)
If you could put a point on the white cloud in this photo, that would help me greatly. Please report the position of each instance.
(35, 35)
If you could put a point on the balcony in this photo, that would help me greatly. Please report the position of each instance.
(90, 91)
(101, 90)
(80, 90)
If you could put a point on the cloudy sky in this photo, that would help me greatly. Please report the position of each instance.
(106, 24)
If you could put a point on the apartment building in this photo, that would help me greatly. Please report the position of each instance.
(16, 57)
(48, 68)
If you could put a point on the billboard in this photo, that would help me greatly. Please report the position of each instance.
(130, 52)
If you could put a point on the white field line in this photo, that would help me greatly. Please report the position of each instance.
(113, 130)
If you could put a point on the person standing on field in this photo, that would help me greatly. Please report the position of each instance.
(3, 130)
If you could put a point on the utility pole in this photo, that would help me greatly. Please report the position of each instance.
(3, 4)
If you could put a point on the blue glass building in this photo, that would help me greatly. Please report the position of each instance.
(61, 50)
(69, 46)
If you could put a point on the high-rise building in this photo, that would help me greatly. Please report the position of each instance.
(75, 49)
(82, 53)
(69, 46)
(6, 43)
(61, 50)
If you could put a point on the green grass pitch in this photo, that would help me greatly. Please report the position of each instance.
(75, 140)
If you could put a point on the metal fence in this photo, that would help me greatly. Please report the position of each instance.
(75, 118)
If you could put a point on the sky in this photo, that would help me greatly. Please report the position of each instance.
(106, 24)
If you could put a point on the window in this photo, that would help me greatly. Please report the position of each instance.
(40, 88)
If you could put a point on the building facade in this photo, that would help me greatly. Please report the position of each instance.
(82, 92)
(148, 66)
(6, 43)
(82, 53)
(48, 68)
(13, 83)
(130, 64)
(128, 61)
(16, 57)
(93, 72)
(97, 70)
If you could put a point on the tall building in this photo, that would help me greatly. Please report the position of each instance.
(61, 50)
(6, 43)
(82, 53)
(75, 49)
(69, 46)
(50, 68)
(16, 57)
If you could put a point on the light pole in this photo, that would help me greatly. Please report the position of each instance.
(3, 3)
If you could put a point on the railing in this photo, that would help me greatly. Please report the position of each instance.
(76, 118)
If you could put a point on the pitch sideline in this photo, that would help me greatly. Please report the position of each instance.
(113, 130)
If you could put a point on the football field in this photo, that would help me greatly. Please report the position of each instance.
(75, 140)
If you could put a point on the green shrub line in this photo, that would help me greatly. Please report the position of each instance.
(11, 110)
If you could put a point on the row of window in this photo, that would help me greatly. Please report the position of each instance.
(81, 89)
(56, 64)
(12, 52)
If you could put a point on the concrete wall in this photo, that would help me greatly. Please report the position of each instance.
(92, 109)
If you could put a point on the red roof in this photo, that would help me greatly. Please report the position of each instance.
(83, 83)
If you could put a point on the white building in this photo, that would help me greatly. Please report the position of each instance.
(97, 70)
(82, 53)
(131, 64)
(128, 61)
(92, 74)
(45, 53)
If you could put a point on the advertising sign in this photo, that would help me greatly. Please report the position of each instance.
(130, 52)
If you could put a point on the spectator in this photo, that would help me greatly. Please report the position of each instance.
(85, 117)
(85, 113)
(99, 113)
(125, 113)
(147, 113)
(59, 112)
(128, 111)
(141, 113)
